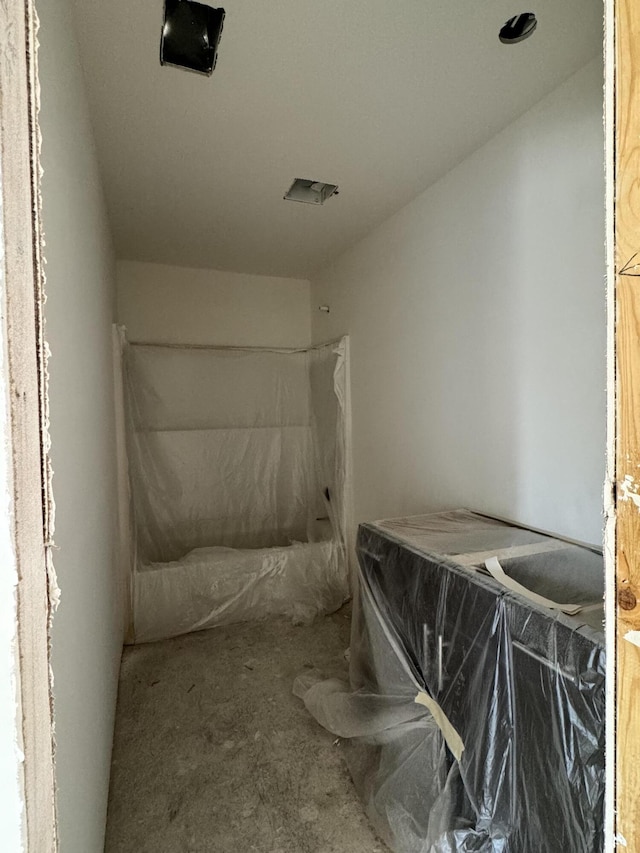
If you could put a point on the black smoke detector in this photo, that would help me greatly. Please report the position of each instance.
(518, 28)
(190, 35)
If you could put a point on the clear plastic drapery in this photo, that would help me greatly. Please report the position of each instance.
(236, 461)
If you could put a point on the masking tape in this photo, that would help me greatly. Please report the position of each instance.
(451, 736)
(497, 572)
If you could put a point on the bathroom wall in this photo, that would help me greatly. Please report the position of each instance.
(477, 324)
(167, 304)
(88, 627)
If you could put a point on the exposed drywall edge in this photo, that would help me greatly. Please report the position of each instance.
(43, 351)
(42, 355)
(25, 377)
(87, 632)
(11, 754)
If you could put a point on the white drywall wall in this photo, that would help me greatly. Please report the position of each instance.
(477, 324)
(80, 308)
(166, 304)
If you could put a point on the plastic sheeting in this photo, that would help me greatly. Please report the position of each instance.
(474, 717)
(236, 465)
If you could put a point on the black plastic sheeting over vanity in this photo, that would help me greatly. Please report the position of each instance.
(474, 717)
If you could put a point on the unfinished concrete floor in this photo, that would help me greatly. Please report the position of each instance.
(213, 753)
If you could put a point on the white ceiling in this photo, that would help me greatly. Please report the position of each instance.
(381, 97)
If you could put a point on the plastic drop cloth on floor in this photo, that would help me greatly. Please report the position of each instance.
(237, 472)
(473, 719)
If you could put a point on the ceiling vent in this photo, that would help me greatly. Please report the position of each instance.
(310, 192)
(518, 28)
(190, 35)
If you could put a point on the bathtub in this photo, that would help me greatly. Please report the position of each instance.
(216, 586)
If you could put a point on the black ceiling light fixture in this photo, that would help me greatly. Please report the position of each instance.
(190, 35)
(518, 28)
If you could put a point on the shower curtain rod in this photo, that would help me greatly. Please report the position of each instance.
(289, 350)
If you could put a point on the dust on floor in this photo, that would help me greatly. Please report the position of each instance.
(213, 753)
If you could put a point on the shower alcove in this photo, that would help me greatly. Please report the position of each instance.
(237, 474)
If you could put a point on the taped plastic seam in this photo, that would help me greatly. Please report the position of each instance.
(498, 573)
(475, 559)
(451, 736)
